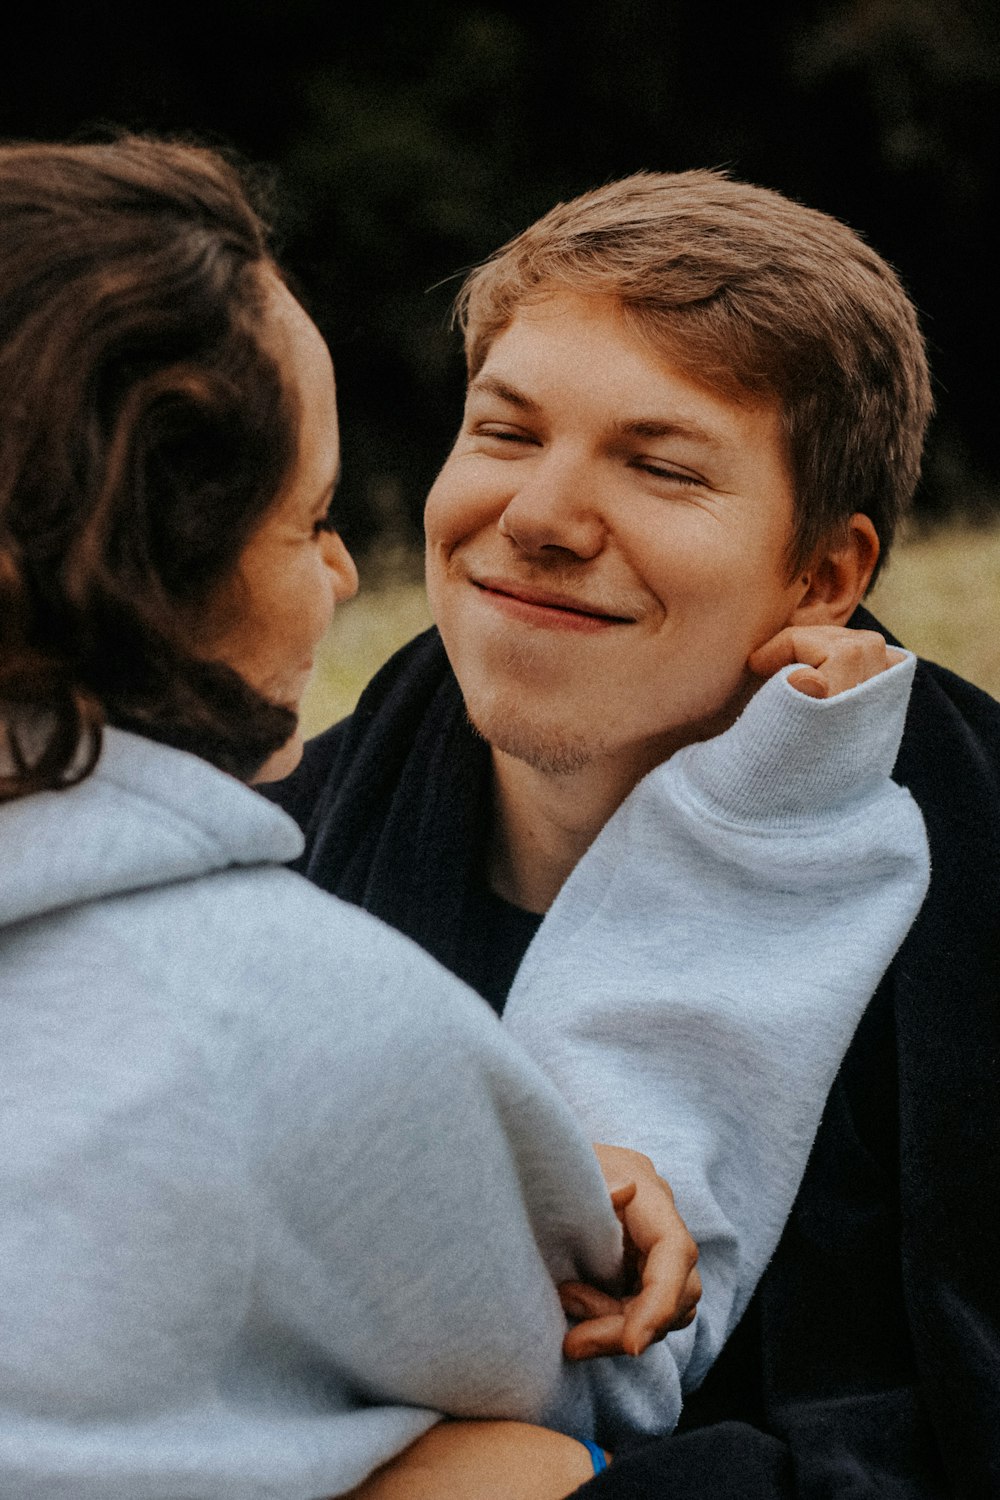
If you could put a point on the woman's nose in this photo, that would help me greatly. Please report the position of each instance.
(554, 508)
(341, 565)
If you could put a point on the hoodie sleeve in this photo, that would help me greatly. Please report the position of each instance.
(697, 981)
(426, 1189)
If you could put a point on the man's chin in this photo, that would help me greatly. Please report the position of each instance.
(546, 747)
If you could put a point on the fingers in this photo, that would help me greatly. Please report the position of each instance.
(621, 1166)
(602, 1321)
(657, 1234)
(835, 659)
(812, 684)
(657, 1247)
(601, 1329)
(668, 1294)
(596, 1337)
(582, 1301)
(668, 1300)
(621, 1197)
(626, 1325)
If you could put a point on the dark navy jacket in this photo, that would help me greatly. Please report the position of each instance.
(868, 1362)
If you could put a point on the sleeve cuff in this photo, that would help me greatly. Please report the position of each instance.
(788, 755)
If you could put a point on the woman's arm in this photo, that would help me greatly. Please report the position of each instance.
(428, 1189)
(483, 1461)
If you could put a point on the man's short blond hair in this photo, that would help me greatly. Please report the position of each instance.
(751, 294)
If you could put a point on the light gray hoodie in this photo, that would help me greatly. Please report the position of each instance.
(274, 1184)
(697, 982)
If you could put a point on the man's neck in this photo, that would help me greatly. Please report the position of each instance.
(543, 822)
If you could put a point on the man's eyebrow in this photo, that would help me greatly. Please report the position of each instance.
(659, 427)
(634, 427)
(494, 386)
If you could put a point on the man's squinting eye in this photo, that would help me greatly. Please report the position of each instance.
(663, 471)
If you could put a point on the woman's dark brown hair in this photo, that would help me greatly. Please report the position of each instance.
(144, 434)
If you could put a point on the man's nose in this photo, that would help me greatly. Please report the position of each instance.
(555, 507)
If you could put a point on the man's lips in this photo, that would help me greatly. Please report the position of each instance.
(549, 607)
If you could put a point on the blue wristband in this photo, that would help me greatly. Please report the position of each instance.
(596, 1455)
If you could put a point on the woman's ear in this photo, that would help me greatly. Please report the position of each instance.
(836, 579)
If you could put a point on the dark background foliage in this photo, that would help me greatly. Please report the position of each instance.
(409, 141)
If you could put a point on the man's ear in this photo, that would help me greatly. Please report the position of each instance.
(838, 575)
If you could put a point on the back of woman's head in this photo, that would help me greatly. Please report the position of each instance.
(144, 433)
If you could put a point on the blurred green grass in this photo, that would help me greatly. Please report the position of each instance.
(389, 609)
(940, 595)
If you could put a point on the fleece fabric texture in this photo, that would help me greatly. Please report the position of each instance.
(275, 1186)
(697, 981)
(867, 1363)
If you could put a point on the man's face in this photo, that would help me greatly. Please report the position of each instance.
(606, 544)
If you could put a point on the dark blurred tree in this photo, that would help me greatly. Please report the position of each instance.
(392, 184)
(422, 152)
(922, 81)
(411, 141)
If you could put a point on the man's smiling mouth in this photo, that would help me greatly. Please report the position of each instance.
(550, 606)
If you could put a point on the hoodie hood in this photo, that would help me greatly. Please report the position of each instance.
(146, 816)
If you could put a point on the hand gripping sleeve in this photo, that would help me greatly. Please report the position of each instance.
(697, 981)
